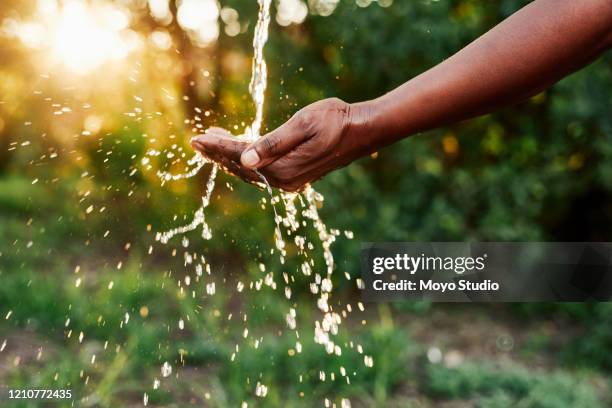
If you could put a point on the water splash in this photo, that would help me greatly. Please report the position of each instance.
(199, 216)
(300, 209)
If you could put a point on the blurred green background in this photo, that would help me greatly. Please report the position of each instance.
(86, 88)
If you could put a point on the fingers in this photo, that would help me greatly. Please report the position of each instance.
(219, 142)
(276, 143)
(220, 146)
(234, 168)
(281, 170)
(287, 172)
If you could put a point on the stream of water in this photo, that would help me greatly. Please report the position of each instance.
(300, 210)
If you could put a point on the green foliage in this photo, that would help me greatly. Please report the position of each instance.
(491, 387)
(586, 350)
(469, 380)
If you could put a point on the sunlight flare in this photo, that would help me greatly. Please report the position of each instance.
(81, 36)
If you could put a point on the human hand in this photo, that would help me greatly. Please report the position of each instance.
(319, 138)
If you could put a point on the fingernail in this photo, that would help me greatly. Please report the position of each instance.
(250, 158)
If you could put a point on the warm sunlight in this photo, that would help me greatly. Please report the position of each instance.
(84, 38)
(81, 36)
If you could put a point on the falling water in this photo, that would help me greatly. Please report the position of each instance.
(259, 75)
(309, 201)
(257, 88)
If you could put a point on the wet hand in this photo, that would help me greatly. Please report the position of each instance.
(319, 138)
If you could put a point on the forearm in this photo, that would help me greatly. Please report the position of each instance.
(526, 53)
(518, 58)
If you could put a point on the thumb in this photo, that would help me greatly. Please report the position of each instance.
(280, 141)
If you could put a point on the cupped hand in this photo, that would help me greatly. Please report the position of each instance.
(319, 138)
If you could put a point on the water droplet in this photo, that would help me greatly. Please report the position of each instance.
(166, 369)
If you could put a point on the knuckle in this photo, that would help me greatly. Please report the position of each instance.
(336, 104)
(335, 101)
(304, 120)
(269, 145)
(236, 150)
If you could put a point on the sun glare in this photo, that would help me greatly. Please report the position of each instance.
(84, 38)
(79, 35)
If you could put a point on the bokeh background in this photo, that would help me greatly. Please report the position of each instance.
(89, 301)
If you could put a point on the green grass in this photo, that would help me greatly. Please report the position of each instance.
(38, 288)
(129, 356)
(514, 386)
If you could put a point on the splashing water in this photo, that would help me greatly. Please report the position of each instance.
(257, 88)
(308, 201)
(198, 218)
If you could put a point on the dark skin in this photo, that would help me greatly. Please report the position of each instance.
(520, 57)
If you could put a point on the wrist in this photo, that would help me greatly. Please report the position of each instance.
(364, 124)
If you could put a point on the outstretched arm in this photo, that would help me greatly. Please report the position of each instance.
(526, 53)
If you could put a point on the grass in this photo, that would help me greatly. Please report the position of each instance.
(129, 356)
(131, 327)
(489, 386)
